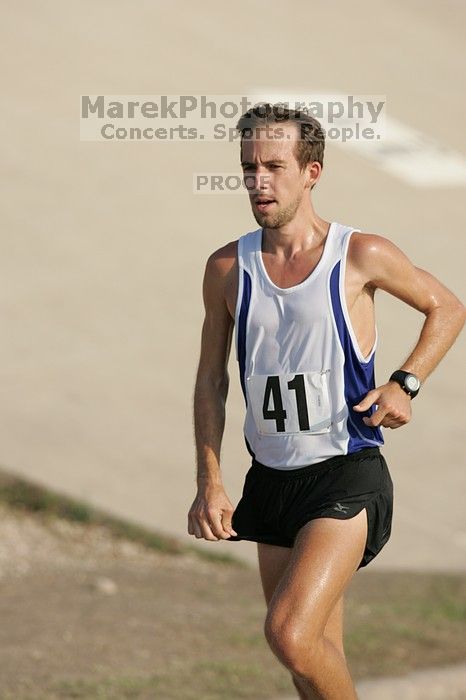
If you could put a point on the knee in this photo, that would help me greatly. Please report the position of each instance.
(297, 651)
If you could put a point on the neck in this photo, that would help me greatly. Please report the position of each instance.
(306, 231)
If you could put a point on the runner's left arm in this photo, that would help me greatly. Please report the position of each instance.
(382, 265)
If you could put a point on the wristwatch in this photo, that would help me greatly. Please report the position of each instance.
(408, 382)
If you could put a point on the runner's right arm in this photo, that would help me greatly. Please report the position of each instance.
(211, 511)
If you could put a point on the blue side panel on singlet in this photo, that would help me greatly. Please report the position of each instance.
(359, 377)
(243, 317)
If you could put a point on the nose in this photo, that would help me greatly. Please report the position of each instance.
(257, 182)
(262, 181)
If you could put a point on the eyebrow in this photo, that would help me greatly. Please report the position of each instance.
(266, 162)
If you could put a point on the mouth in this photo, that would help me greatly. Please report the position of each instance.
(264, 203)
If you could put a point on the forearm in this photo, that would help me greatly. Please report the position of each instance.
(440, 330)
(209, 424)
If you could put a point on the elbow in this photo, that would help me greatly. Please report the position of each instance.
(455, 309)
(459, 309)
(457, 315)
(213, 383)
(463, 315)
(224, 384)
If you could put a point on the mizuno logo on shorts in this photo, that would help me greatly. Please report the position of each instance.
(340, 508)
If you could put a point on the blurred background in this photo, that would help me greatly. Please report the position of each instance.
(104, 243)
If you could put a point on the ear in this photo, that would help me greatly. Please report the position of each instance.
(314, 171)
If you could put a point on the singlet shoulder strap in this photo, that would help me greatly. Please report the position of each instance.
(247, 250)
(341, 238)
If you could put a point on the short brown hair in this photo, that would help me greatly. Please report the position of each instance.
(311, 141)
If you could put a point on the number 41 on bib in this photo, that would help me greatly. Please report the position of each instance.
(287, 404)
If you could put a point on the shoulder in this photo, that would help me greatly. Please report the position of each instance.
(376, 257)
(221, 269)
(221, 278)
(366, 249)
(364, 244)
(223, 260)
(222, 257)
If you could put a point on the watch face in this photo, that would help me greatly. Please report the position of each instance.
(412, 382)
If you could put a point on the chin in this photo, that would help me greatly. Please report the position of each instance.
(263, 221)
(268, 222)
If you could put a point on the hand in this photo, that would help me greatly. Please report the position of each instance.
(393, 406)
(210, 514)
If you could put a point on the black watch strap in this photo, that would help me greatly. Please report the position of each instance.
(408, 382)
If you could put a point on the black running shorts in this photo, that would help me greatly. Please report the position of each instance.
(276, 503)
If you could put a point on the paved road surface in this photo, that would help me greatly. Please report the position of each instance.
(104, 244)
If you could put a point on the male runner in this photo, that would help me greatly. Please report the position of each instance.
(299, 292)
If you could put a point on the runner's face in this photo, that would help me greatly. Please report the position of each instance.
(275, 184)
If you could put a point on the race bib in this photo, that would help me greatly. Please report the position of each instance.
(287, 404)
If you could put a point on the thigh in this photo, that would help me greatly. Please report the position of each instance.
(326, 554)
(273, 562)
